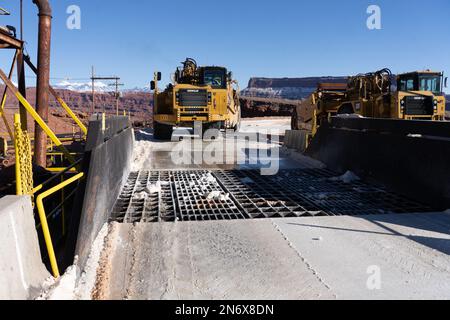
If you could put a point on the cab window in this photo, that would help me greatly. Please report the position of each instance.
(214, 78)
(407, 84)
(430, 83)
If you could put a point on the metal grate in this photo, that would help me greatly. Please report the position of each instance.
(146, 197)
(200, 197)
(224, 195)
(304, 192)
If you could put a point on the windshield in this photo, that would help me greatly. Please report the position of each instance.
(429, 83)
(214, 78)
(406, 84)
(420, 82)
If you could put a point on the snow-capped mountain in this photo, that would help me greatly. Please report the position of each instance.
(286, 88)
(100, 87)
(137, 89)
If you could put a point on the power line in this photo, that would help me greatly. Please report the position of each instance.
(112, 78)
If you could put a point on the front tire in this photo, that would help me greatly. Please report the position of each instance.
(294, 121)
(162, 131)
(211, 126)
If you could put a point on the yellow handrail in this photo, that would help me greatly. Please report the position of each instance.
(61, 102)
(69, 111)
(43, 219)
(36, 116)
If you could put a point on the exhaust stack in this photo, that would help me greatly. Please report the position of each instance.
(43, 78)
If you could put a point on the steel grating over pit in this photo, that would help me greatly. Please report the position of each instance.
(168, 196)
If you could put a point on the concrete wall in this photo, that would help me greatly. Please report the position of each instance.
(414, 165)
(107, 163)
(21, 269)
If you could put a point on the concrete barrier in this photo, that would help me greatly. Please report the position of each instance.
(21, 269)
(411, 159)
(107, 164)
(296, 139)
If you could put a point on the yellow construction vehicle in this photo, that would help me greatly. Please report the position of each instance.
(324, 101)
(419, 96)
(207, 95)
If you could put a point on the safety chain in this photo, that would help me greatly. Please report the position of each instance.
(23, 159)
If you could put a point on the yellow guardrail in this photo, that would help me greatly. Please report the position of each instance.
(24, 185)
(69, 111)
(61, 102)
(43, 220)
(36, 116)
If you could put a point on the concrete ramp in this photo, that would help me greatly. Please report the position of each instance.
(204, 260)
(290, 258)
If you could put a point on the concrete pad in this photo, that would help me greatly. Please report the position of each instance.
(207, 260)
(411, 252)
(22, 272)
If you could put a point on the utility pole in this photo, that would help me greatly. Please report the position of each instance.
(117, 84)
(93, 91)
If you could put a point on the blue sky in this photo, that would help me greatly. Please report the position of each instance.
(280, 38)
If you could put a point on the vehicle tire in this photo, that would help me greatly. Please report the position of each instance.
(162, 131)
(346, 109)
(212, 126)
(294, 121)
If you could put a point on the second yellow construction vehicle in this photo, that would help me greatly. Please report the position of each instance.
(207, 95)
(419, 96)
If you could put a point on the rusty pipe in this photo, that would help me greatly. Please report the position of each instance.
(43, 79)
(44, 7)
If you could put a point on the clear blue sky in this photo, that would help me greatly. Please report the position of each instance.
(280, 38)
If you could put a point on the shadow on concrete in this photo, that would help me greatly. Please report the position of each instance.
(433, 222)
(438, 223)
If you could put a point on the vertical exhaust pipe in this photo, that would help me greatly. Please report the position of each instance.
(43, 79)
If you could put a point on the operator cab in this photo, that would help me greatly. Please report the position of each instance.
(216, 77)
(421, 81)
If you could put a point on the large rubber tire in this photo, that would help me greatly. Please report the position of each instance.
(211, 126)
(294, 121)
(162, 131)
(346, 109)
